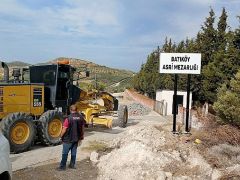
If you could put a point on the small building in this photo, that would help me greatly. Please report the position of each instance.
(164, 101)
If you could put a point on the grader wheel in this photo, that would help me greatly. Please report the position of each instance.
(50, 127)
(19, 129)
(122, 117)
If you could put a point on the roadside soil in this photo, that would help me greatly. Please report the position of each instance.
(85, 170)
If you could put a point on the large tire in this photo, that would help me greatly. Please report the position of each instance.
(50, 127)
(20, 130)
(122, 117)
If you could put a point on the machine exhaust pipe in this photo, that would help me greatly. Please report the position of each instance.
(5, 72)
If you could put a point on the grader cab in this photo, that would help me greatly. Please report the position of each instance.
(34, 104)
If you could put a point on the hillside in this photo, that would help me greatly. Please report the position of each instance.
(107, 78)
(17, 64)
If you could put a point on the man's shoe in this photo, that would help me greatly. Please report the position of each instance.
(61, 168)
(72, 166)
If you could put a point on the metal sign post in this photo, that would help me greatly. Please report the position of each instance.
(175, 104)
(188, 101)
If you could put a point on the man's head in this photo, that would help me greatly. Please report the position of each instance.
(73, 108)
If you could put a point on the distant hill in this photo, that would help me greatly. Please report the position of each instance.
(17, 64)
(105, 76)
(79, 63)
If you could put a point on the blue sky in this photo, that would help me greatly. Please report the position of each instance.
(115, 33)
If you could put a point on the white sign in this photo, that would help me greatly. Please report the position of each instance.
(180, 63)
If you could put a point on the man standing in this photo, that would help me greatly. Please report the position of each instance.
(71, 135)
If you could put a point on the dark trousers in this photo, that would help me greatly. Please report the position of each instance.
(66, 148)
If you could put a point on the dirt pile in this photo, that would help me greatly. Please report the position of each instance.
(137, 109)
(146, 152)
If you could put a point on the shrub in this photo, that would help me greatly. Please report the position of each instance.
(227, 105)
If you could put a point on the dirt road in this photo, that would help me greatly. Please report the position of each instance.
(41, 155)
(47, 172)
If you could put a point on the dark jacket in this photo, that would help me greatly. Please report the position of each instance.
(75, 131)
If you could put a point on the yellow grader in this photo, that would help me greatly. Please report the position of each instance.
(34, 108)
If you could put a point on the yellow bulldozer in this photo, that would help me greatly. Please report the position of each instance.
(34, 108)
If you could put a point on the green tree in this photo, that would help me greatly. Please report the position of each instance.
(214, 73)
(151, 74)
(221, 31)
(207, 38)
(227, 105)
(205, 43)
(226, 63)
(138, 80)
(236, 40)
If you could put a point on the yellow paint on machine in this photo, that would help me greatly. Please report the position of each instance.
(103, 121)
(28, 98)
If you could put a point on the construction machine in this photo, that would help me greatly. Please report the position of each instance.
(34, 103)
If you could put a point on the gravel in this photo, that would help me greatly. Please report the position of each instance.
(94, 157)
(137, 109)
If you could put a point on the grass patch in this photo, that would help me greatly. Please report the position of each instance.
(223, 155)
(98, 146)
(220, 134)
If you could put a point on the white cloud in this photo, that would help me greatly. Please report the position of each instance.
(81, 18)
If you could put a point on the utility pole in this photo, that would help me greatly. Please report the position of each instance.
(95, 84)
(95, 81)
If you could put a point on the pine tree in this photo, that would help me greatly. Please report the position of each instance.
(227, 105)
(146, 80)
(236, 40)
(138, 80)
(180, 47)
(207, 41)
(225, 61)
(221, 31)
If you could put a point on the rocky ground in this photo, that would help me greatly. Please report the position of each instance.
(145, 149)
(137, 109)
